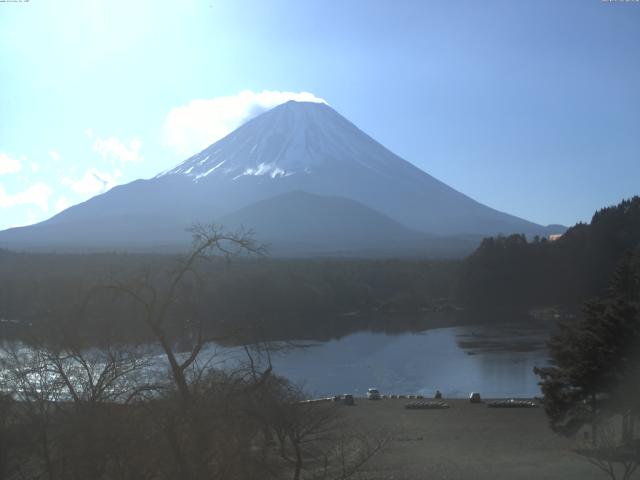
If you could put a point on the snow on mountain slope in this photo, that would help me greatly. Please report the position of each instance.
(296, 138)
(310, 147)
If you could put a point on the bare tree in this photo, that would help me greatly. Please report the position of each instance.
(619, 460)
(67, 399)
(100, 413)
(314, 439)
(26, 376)
(157, 303)
(158, 295)
(7, 437)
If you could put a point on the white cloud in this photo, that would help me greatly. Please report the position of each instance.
(113, 149)
(55, 155)
(32, 217)
(29, 219)
(8, 164)
(88, 132)
(190, 128)
(62, 204)
(37, 194)
(93, 182)
(35, 167)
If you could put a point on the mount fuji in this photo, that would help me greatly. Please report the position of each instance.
(307, 180)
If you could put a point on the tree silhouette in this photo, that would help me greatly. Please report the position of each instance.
(595, 372)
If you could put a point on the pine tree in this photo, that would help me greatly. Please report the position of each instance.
(595, 361)
(595, 374)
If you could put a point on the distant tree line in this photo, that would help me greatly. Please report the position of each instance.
(277, 298)
(322, 298)
(513, 271)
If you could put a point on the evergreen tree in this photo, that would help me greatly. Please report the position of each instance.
(595, 361)
(510, 271)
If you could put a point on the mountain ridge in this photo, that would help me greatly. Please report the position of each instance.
(294, 147)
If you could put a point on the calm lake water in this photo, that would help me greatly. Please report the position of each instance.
(496, 361)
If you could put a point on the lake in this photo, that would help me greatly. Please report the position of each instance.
(496, 361)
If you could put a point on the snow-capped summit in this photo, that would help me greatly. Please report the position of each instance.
(305, 177)
(293, 138)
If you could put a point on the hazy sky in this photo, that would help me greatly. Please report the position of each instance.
(531, 107)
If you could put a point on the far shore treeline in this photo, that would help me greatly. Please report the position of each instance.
(512, 271)
(319, 298)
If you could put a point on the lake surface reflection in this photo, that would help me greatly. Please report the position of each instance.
(496, 361)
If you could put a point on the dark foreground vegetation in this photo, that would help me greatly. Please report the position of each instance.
(71, 415)
(69, 411)
(594, 379)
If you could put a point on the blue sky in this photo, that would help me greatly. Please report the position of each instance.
(531, 107)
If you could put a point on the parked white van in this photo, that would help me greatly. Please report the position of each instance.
(373, 394)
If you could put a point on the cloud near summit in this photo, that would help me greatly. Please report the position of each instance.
(192, 127)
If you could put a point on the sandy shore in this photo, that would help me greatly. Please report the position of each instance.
(466, 441)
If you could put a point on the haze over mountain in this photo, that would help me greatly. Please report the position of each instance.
(303, 177)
